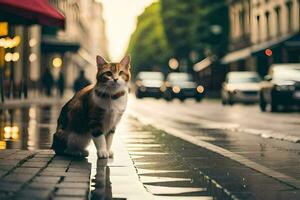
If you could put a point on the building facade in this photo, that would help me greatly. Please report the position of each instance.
(263, 32)
(41, 47)
(83, 38)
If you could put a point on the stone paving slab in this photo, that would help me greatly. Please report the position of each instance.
(40, 175)
(148, 165)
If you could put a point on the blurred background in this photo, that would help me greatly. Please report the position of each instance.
(234, 51)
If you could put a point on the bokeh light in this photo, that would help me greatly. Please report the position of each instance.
(173, 63)
(57, 62)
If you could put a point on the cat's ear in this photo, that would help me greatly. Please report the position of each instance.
(125, 62)
(100, 61)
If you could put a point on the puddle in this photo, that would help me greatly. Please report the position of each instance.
(27, 128)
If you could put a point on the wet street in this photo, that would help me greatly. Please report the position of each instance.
(264, 142)
(172, 150)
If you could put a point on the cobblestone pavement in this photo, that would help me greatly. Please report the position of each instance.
(41, 175)
(143, 168)
(148, 164)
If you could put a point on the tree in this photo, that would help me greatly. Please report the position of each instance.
(177, 16)
(196, 25)
(211, 27)
(148, 45)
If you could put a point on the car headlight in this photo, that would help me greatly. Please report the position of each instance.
(285, 87)
(138, 83)
(176, 89)
(163, 88)
(200, 89)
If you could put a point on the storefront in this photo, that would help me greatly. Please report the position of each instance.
(18, 40)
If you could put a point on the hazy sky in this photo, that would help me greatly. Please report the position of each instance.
(120, 17)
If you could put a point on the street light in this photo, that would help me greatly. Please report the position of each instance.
(32, 42)
(173, 63)
(11, 132)
(216, 29)
(14, 57)
(57, 62)
(32, 57)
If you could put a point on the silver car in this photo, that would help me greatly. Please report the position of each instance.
(241, 87)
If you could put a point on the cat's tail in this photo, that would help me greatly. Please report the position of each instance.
(59, 144)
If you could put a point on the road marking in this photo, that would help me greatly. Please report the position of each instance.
(228, 154)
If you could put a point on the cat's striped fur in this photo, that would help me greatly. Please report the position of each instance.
(94, 111)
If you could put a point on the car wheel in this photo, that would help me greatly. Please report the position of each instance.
(139, 95)
(230, 99)
(224, 101)
(274, 107)
(262, 103)
(167, 96)
(198, 99)
(231, 102)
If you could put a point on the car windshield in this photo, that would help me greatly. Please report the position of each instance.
(287, 74)
(179, 77)
(244, 79)
(150, 76)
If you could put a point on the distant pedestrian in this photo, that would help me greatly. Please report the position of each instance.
(47, 82)
(81, 81)
(60, 84)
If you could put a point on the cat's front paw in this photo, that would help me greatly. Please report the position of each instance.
(111, 153)
(76, 153)
(103, 154)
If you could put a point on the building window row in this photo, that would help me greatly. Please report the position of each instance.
(277, 16)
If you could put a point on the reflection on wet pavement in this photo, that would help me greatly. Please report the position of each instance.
(282, 156)
(163, 172)
(209, 174)
(101, 182)
(168, 167)
(28, 128)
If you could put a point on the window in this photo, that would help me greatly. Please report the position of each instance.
(278, 20)
(289, 6)
(299, 12)
(267, 14)
(242, 21)
(258, 27)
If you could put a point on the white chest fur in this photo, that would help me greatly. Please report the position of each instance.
(114, 110)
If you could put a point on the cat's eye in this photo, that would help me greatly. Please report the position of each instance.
(108, 73)
(121, 73)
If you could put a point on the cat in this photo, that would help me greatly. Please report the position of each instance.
(94, 112)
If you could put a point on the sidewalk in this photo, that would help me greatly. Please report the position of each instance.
(42, 175)
(36, 100)
(149, 164)
(141, 169)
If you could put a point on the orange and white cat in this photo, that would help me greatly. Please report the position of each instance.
(94, 112)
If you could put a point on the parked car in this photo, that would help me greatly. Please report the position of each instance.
(182, 86)
(241, 87)
(149, 84)
(281, 87)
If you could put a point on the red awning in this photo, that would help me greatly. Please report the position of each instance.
(30, 12)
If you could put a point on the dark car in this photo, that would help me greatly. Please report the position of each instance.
(149, 84)
(281, 87)
(182, 86)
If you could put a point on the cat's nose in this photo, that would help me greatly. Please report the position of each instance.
(115, 79)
